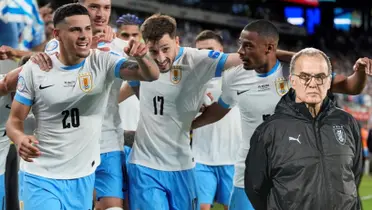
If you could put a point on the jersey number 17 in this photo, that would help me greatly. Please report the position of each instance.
(158, 105)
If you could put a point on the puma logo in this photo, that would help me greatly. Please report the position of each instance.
(294, 139)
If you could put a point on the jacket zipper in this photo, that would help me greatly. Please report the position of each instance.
(320, 148)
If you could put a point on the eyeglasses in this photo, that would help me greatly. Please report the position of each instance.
(306, 78)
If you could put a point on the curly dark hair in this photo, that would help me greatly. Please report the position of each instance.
(156, 26)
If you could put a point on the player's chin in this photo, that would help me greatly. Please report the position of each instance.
(83, 54)
(164, 68)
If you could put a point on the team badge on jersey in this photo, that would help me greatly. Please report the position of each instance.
(281, 86)
(176, 74)
(339, 133)
(21, 85)
(85, 82)
(51, 46)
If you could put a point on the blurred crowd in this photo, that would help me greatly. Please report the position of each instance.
(344, 48)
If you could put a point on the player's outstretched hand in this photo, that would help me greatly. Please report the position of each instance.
(136, 49)
(26, 148)
(7, 52)
(42, 60)
(363, 64)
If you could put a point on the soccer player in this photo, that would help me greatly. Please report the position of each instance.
(128, 27)
(214, 146)
(110, 187)
(161, 162)
(257, 91)
(7, 85)
(68, 103)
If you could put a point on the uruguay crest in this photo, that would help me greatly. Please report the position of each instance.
(85, 82)
(281, 86)
(176, 74)
(339, 133)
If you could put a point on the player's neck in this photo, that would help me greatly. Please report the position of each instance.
(69, 60)
(268, 66)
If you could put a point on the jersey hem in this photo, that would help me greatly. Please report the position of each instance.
(141, 163)
(215, 164)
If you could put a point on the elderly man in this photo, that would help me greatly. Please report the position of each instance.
(308, 154)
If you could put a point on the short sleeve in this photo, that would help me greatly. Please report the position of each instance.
(52, 47)
(25, 91)
(229, 96)
(134, 83)
(112, 62)
(208, 64)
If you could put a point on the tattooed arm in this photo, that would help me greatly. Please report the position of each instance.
(143, 69)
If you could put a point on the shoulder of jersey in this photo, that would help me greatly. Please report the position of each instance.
(52, 45)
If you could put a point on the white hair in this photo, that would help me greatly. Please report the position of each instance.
(311, 52)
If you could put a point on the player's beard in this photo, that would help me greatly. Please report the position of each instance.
(165, 68)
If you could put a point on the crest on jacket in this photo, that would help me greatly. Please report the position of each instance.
(339, 133)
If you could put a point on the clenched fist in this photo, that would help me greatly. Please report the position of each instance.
(363, 64)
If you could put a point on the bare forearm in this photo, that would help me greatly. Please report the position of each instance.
(149, 69)
(125, 92)
(356, 82)
(20, 53)
(15, 129)
(209, 116)
(285, 56)
(11, 79)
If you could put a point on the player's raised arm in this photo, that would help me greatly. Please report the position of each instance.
(21, 106)
(143, 68)
(9, 82)
(355, 83)
(234, 59)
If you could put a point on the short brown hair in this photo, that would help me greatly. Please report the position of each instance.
(156, 26)
(208, 34)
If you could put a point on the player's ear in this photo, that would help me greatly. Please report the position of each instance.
(177, 40)
(56, 34)
(270, 48)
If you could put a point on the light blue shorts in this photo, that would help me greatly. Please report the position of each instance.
(2, 192)
(110, 181)
(42, 193)
(239, 200)
(152, 189)
(214, 183)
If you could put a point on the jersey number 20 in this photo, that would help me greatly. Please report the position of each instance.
(75, 118)
(158, 104)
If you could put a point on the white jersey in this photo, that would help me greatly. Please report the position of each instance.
(129, 113)
(5, 103)
(168, 107)
(256, 96)
(112, 135)
(217, 143)
(68, 103)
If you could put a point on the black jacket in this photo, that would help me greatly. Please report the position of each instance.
(301, 163)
